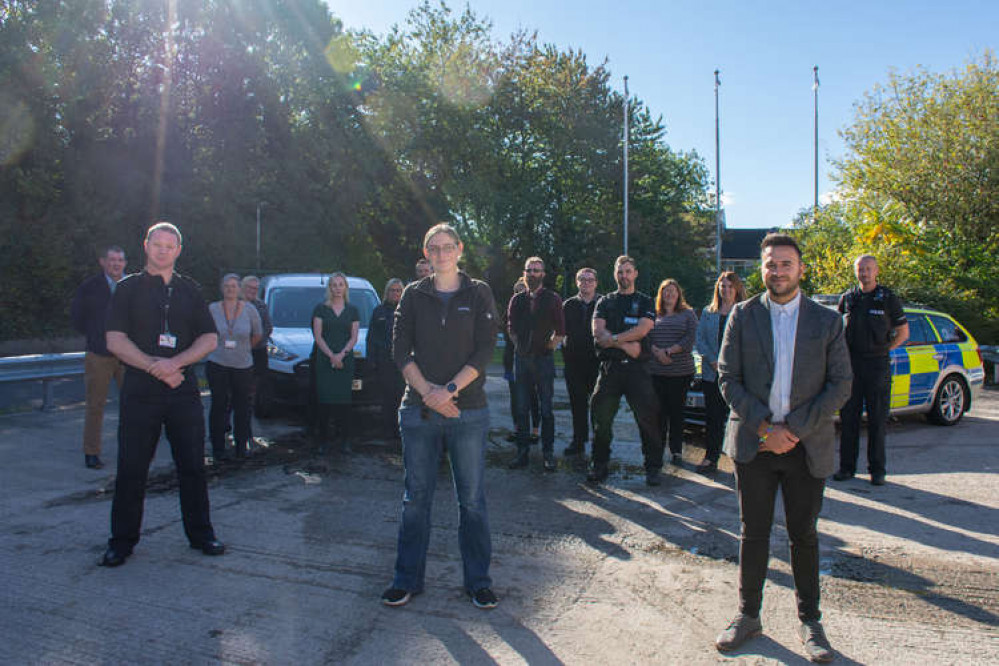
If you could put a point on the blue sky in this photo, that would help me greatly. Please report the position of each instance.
(765, 51)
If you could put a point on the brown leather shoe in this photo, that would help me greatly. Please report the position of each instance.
(817, 646)
(738, 631)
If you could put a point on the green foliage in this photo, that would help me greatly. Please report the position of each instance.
(116, 113)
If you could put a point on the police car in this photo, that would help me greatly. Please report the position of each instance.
(290, 299)
(938, 371)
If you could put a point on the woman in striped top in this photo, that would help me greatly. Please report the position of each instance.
(672, 364)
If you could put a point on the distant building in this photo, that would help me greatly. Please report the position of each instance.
(741, 249)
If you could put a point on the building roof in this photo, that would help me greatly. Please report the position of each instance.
(743, 243)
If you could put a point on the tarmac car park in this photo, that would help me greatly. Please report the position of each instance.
(290, 299)
(938, 371)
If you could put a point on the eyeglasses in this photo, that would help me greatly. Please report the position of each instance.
(444, 248)
(587, 279)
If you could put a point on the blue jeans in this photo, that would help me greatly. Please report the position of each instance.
(424, 433)
(531, 371)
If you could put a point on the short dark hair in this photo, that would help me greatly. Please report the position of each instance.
(775, 239)
(112, 248)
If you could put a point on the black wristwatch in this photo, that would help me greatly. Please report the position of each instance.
(452, 387)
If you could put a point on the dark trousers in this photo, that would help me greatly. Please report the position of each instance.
(231, 388)
(757, 482)
(535, 404)
(672, 393)
(391, 386)
(871, 386)
(631, 380)
(534, 374)
(259, 362)
(140, 422)
(580, 378)
(715, 419)
(341, 418)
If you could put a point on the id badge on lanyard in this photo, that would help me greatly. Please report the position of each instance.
(167, 339)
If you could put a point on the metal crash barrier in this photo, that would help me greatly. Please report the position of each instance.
(990, 354)
(42, 367)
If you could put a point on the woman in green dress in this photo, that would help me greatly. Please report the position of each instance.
(334, 327)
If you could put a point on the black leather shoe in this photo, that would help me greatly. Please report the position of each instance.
(112, 558)
(652, 478)
(842, 475)
(877, 480)
(213, 547)
(93, 462)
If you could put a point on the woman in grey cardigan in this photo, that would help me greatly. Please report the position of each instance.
(229, 368)
(729, 290)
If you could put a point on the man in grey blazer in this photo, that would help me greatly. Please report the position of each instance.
(784, 370)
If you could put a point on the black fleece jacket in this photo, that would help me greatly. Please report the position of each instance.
(442, 339)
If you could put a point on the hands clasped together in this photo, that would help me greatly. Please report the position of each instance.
(167, 371)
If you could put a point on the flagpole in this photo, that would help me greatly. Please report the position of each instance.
(626, 136)
(815, 92)
(718, 217)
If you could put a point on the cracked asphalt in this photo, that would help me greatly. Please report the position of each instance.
(617, 574)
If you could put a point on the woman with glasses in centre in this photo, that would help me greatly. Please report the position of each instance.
(445, 331)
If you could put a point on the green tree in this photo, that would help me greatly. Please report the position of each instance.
(920, 191)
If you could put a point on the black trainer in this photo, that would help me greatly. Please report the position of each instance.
(395, 596)
(484, 599)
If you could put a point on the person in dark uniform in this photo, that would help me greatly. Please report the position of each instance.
(875, 324)
(335, 325)
(89, 314)
(621, 321)
(159, 326)
(379, 348)
(580, 356)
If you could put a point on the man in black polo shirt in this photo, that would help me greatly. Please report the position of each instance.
(581, 363)
(875, 324)
(536, 326)
(621, 321)
(159, 326)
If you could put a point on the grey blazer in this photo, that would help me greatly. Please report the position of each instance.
(820, 385)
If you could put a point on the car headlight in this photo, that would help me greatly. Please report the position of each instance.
(276, 352)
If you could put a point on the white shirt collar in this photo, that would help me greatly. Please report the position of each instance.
(789, 308)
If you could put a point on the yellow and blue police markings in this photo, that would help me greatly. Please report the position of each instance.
(916, 368)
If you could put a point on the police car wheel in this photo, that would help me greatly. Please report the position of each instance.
(951, 401)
